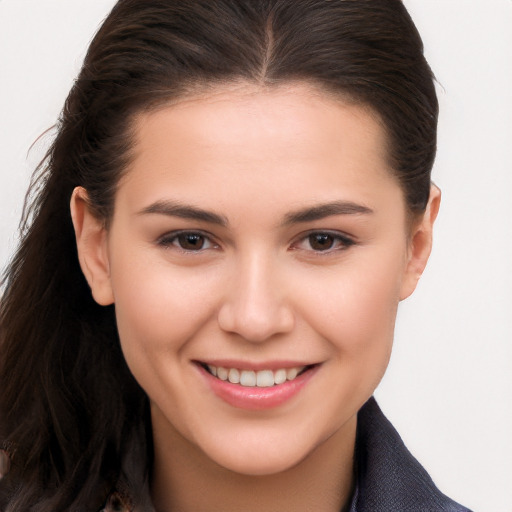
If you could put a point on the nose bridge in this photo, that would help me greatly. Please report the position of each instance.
(256, 304)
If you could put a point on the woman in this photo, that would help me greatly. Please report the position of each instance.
(237, 199)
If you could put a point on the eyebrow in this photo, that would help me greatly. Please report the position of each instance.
(326, 210)
(174, 209)
(309, 214)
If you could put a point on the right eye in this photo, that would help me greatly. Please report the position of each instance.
(188, 241)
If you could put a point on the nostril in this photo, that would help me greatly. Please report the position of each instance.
(255, 321)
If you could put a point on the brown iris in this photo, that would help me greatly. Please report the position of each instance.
(321, 241)
(191, 241)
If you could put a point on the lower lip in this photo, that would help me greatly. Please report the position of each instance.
(255, 398)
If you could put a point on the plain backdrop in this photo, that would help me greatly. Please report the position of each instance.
(448, 389)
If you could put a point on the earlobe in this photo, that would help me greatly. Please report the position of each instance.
(420, 244)
(91, 241)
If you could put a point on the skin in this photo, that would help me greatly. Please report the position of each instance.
(258, 289)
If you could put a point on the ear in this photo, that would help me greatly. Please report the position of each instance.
(420, 244)
(91, 241)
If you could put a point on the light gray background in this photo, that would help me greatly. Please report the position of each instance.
(449, 386)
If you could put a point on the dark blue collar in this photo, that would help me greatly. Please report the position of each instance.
(388, 477)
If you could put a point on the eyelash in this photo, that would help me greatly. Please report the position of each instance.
(339, 241)
(172, 239)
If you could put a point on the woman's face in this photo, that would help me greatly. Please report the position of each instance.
(256, 235)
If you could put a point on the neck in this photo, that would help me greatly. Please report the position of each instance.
(186, 480)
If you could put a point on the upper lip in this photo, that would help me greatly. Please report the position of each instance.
(255, 365)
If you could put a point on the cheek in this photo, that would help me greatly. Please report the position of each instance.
(159, 306)
(354, 307)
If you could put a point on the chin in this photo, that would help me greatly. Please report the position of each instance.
(264, 454)
(260, 465)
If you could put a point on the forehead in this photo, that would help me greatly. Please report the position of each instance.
(291, 142)
(244, 113)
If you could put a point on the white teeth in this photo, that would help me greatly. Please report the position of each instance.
(249, 378)
(265, 379)
(280, 376)
(234, 376)
(222, 373)
(291, 373)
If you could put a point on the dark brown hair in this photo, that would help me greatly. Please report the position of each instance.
(70, 408)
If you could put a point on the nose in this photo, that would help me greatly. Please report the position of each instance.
(256, 304)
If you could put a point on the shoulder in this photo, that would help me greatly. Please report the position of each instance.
(389, 478)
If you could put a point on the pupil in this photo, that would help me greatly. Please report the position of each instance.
(321, 242)
(191, 242)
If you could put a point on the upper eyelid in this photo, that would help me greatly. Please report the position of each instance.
(171, 235)
(176, 232)
(333, 232)
(345, 239)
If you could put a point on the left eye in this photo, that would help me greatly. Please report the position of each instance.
(187, 241)
(322, 241)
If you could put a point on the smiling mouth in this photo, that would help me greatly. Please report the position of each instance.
(260, 379)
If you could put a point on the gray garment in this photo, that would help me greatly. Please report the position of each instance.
(389, 478)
